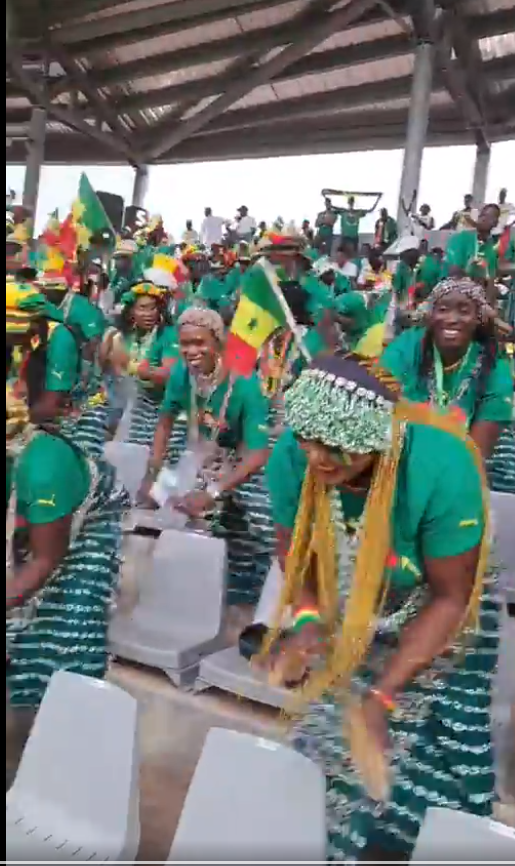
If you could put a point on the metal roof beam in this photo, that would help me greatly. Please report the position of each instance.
(263, 39)
(131, 27)
(39, 97)
(100, 108)
(261, 75)
(391, 133)
(322, 61)
(339, 99)
(495, 69)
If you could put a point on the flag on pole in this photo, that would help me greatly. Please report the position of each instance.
(259, 313)
(89, 215)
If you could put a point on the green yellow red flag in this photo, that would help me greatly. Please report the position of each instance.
(259, 313)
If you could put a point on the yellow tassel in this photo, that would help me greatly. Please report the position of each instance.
(313, 543)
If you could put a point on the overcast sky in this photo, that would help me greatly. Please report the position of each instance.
(286, 186)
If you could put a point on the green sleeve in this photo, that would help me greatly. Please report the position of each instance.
(285, 475)
(62, 368)
(458, 252)
(342, 284)
(497, 401)
(255, 414)
(165, 346)
(177, 393)
(401, 356)
(454, 516)
(51, 480)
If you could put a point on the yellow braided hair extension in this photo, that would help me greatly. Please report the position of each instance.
(314, 534)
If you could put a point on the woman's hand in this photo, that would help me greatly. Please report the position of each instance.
(143, 496)
(194, 504)
(376, 720)
(369, 745)
(289, 660)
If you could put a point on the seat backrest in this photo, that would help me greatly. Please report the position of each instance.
(187, 581)
(270, 596)
(81, 757)
(447, 834)
(130, 461)
(253, 799)
(503, 516)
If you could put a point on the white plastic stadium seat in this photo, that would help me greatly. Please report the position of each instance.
(130, 462)
(503, 512)
(252, 799)
(75, 796)
(450, 836)
(229, 671)
(177, 618)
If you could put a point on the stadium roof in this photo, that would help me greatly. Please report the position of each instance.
(149, 81)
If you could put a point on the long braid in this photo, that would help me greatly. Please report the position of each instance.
(485, 336)
(35, 370)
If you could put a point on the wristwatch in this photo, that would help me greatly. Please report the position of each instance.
(213, 490)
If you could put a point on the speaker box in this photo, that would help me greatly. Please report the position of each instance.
(135, 218)
(114, 206)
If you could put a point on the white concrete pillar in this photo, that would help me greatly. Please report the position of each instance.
(418, 118)
(480, 176)
(35, 159)
(140, 190)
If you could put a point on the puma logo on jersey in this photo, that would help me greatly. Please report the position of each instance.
(50, 502)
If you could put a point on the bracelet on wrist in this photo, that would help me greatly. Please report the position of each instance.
(304, 616)
(387, 702)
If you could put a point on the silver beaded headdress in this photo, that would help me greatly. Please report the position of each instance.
(464, 286)
(339, 403)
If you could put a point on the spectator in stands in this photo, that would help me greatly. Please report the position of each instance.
(389, 586)
(245, 225)
(190, 236)
(424, 218)
(465, 218)
(324, 224)
(385, 232)
(350, 218)
(212, 229)
(307, 231)
(261, 231)
(474, 252)
(507, 212)
(454, 362)
(346, 258)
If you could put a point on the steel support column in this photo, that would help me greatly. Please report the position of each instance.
(140, 189)
(418, 119)
(35, 159)
(480, 176)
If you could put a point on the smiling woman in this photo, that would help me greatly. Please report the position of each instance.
(455, 363)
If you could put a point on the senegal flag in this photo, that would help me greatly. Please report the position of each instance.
(259, 313)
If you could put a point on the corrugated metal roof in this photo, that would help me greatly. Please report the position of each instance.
(184, 54)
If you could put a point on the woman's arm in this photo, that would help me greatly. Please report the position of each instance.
(485, 434)
(432, 632)
(249, 463)
(160, 444)
(48, 546)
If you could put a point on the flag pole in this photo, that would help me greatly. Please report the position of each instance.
(274, 282)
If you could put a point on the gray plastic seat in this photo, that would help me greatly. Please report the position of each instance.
(177, 617)
(130, 461)
(76, 793)
(503, 512)
(251, 799)
(450, 836)
(229, 671)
